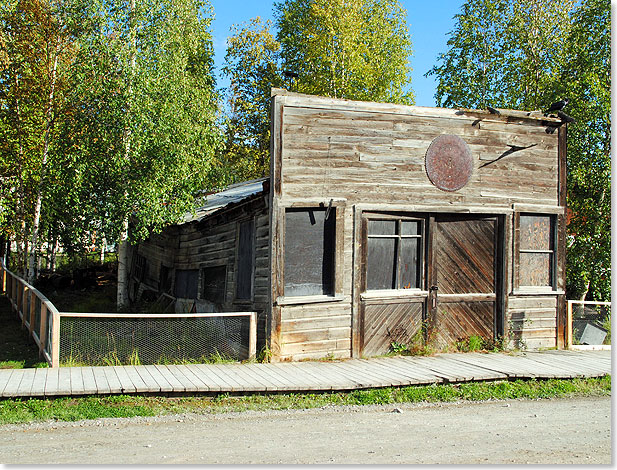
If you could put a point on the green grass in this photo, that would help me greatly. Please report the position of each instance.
(73, 409)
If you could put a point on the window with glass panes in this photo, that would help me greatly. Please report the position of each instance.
(394, 253)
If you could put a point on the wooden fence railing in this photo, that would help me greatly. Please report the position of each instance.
(570, 322)
(43, 320)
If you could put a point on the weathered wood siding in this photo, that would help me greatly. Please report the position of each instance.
(213, 243)
(370, 156)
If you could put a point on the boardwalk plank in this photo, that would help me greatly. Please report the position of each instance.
(269, 375)
(144, 374)
(215, 383)
(25, 386)
(406, 372)
(506, 364)
(188, 385)
(176, 385)
(112, 379)
(302, 377)
(51, 383)
(38, 385)
(368, 375)
(12, 386)
(89, 382)
(341, 371)
(64, 381)
(136, 380)
(5, 377)
(162, 383)
(187, 371)
(101, 380)
(416, 370)
(582, 368)
(476, 371)
(237, 382)
(330, 378)
(77, 382)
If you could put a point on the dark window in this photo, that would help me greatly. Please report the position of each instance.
(214, 283)
(186, 283)
(164, 279)
(244, 276)
(394, 249)
(309, 252)
(537, 250)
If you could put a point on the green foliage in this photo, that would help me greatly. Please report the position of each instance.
(354, 49)
(526, 55)
(252, 65)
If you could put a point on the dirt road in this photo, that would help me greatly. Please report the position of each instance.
(541, 432)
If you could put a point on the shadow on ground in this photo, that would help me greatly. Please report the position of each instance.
(17, 349)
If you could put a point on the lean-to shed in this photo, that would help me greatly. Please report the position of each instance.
(382, 224)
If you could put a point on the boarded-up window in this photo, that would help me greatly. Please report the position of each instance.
(214, 283)
(244, 275)
(394, 254)
(185, 286)
(309, 251)
(537, 250)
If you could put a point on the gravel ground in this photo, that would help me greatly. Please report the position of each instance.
(560, 431)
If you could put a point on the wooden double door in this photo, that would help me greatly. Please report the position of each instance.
(458, 288)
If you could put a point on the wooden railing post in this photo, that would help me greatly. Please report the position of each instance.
(55, 340)
(43, 328)
(32, 311)
(569, 325)
(253, 335)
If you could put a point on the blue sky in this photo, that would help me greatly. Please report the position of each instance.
(429, 23)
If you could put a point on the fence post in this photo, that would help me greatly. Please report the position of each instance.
(43, 328)
(569, 326)
(55, 340)
(253, 335)
(22, 295)
(32, 312)
(3, 271)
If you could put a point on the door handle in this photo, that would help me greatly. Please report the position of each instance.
(433, 294)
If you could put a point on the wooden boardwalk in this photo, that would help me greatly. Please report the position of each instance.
(301, 376)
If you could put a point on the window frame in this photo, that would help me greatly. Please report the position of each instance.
(398, 236)
(519, 288)
(338, 205)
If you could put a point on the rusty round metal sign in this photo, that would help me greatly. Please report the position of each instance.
(449, 164)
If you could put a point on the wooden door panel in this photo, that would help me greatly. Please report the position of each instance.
(385, 323)
(457, 321)
(464, 254)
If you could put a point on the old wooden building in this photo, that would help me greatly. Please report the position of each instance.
(383, 224)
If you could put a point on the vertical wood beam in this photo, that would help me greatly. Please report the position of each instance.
(561, 236)
(43, 328)
(253, 335)
(55, 340)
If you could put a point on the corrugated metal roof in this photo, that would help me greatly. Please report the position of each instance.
(231, 195)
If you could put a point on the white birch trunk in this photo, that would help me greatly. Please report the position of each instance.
(122, 298)
(39, 195)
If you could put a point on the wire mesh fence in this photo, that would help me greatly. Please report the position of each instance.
(108, 339)
(589, 323)
(114, 338)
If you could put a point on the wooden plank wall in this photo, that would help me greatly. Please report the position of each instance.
(214, 243)
(373, 154)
